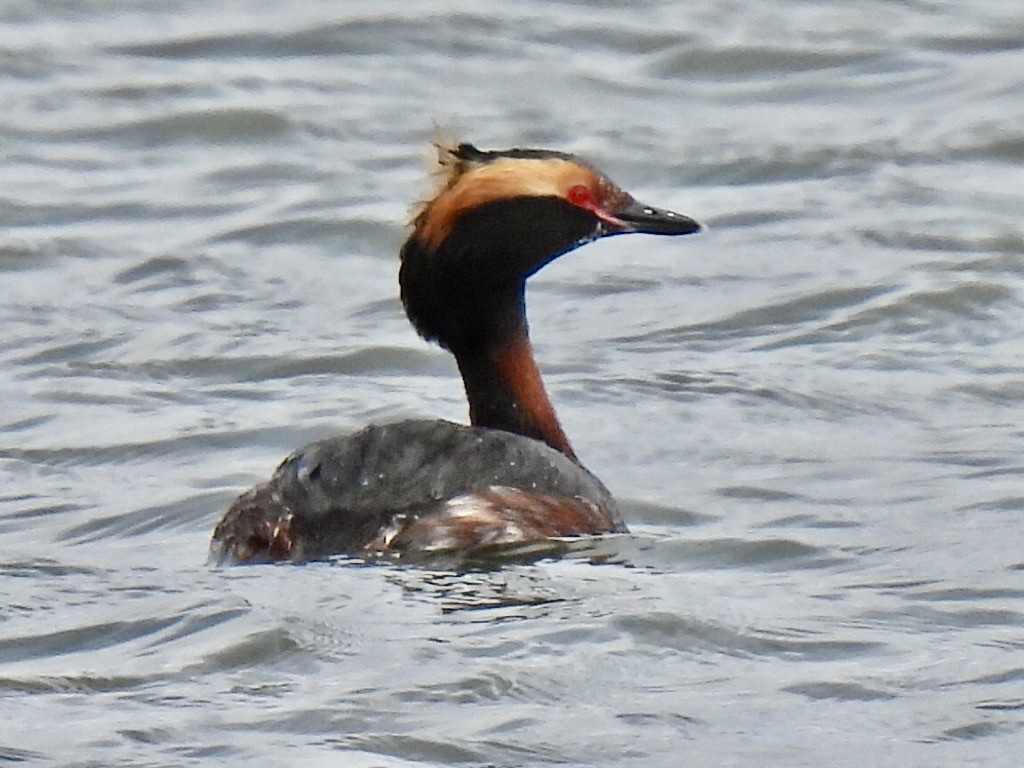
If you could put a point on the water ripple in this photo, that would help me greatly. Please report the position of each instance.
(694, 635)
(811, 411)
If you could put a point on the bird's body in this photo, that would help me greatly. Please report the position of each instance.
(434, 486)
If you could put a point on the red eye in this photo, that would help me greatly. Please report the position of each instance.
(581, 195)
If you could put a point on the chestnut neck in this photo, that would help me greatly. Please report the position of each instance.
(505, 391)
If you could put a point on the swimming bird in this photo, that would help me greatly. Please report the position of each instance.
(511, 476)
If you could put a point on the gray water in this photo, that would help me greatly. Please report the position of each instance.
(813, 413)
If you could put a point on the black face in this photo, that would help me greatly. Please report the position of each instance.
(505, 241)
(470, 290)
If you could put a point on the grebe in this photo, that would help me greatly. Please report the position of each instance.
(434, 486)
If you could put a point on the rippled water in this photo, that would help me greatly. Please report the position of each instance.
(812, 412)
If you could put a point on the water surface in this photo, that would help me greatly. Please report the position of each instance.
(812, 412)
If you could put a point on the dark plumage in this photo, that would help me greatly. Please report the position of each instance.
(343, 493)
